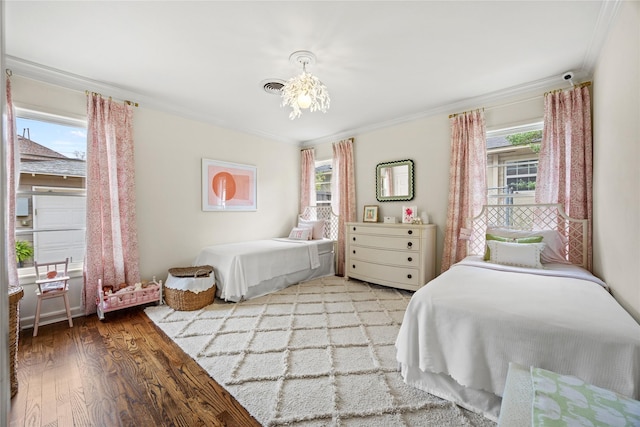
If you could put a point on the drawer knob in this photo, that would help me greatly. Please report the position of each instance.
(353, 266)
(410, 231)
(354, 229)
(354, 251)
(409, 244)
(408, 276)
(408, 259)
(354, 239)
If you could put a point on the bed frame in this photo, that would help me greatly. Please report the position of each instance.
(331, 224)
(526, 217)
(227, 261)
(530, 217)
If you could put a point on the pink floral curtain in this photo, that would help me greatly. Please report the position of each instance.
(308, 178)
(112, 242)
(565, 165)
(12, 164)
(343, 193)
(467, 181)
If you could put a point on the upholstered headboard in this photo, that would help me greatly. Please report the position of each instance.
(313, 213)
(530, 217)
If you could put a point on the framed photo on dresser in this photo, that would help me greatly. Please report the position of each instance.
(370, 214)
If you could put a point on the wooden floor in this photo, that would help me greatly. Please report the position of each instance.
(122, 371)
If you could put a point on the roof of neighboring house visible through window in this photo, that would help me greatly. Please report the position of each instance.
(38, 159)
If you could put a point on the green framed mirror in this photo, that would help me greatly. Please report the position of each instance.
(394, 181)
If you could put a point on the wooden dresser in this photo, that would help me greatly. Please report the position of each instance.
(397, 255)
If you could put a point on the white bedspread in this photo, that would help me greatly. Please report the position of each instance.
(470, 322)
(238, 266)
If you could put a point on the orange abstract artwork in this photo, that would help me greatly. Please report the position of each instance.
(224, 186)
(229, 186)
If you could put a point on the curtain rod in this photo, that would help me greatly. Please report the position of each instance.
(580, 85)
(464, 112)
(132, 103)
(352, 139)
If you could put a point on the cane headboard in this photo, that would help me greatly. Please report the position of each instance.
(313, 213)
(530, 217)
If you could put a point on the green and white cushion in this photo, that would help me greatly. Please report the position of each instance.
(563, 400)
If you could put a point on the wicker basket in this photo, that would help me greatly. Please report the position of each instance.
(187, 300)
(15, 295)
(195, 271)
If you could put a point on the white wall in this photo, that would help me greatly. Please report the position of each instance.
(426, 142)
(171, 224)
(616, 175)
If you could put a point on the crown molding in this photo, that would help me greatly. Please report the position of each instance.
(76, 82)
(608, 12)
(482, 101)
(606, 18)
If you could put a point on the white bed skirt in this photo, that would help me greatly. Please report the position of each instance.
(445, 387)
(268, 286)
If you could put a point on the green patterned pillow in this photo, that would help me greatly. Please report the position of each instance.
(563, 400)
(530, 239)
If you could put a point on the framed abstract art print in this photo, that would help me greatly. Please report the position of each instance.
(228, 186)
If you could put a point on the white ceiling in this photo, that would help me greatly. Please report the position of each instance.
(383, 62)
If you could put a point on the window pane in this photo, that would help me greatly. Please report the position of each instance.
(512, 159)
(324, 172)
(52, 162)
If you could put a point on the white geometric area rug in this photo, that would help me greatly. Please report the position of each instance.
(321, 353)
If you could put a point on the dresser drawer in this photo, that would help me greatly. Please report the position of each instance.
(381, 256)
(384, 231)
(384, 273)
(402, 243)
(397, 255)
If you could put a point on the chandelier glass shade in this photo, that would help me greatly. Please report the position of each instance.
(304, 91)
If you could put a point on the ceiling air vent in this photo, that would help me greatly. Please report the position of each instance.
(273, 86)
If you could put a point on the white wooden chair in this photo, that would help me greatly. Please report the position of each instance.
(52, 279)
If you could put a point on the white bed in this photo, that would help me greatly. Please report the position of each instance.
(461, 331)
(251, 269)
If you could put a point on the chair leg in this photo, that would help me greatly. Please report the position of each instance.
(37, 318)
(66, 304)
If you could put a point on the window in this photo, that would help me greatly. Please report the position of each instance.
(51, 191)
(512, 164)
(324, 172)
(521, 175)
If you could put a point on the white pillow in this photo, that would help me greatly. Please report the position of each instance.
(516, 254)
(317, 227)
(556, 244)
(303, 233)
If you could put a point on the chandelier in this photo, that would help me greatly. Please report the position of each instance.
(305, 91)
